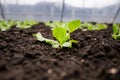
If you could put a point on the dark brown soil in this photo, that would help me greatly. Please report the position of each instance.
(96, 57)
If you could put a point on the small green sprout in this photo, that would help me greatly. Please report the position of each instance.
(26, 24)
(62, 34)
(116, 31)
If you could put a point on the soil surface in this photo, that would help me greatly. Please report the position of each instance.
(95, 57)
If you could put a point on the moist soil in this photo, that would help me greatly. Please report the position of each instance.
(95, 57)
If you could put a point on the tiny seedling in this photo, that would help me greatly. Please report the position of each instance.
(116, 31)
(25, 24)
(62, 34)
(6, 24)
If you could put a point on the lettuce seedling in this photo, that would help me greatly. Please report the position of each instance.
(116, 31)
(61, 34)
(26, 24)
(6, 24)
(63, 37)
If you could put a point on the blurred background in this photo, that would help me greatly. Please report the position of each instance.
(103, 11)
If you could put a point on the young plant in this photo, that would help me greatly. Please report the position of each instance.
(6, 24)
(116, 31)
(61, 34)
(25, 24)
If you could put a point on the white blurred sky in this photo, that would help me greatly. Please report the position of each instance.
(75, 3)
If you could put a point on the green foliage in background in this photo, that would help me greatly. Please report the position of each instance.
(90, 26)
(6, 24)
(25, 24)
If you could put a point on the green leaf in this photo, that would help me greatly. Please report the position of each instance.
(39, 37)
(101, 26)
(114, 36)
(6, 24)
(60, 34)
(25, 24)
(116, 31)
(54, 43)
(87, 26)
(115, 28)
(69, 43)
(91, 27)
(29, 22)
(73, 41)
(73, 25)
(54, 24)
